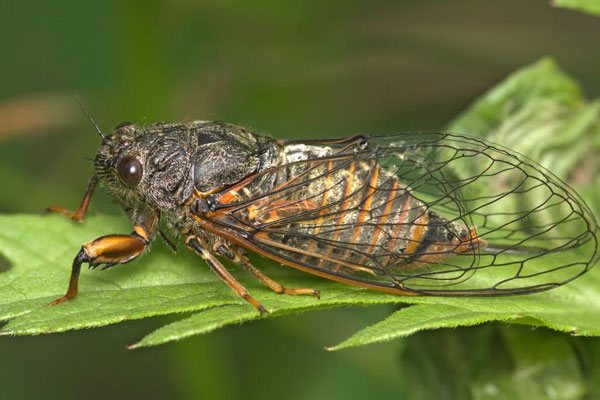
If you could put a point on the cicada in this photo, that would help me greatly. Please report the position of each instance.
(422, 213)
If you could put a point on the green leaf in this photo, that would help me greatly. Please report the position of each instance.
(40, 249)
(413, 319)
(197, 324)
(540, 310)
(538, 110)
(586, 6)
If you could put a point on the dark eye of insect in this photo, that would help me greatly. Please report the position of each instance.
(130, 170)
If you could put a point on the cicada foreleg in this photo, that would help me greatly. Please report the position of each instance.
(197, 245)
(109, 250)
(79, 214)
(238, 258)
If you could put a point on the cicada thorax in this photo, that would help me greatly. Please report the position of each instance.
(343, 212)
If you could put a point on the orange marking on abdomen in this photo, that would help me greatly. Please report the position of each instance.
(419, 231)
(349, 183)
(399, 226)
(367, 204)
(320, 221)
(384, 217)
(366, 208)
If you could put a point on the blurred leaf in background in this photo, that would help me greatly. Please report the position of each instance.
(542, 113)
(586, 6)
(508, 363)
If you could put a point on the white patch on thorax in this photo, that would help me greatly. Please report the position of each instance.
(299, 152)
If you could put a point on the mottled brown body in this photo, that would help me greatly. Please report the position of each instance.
(412, 214)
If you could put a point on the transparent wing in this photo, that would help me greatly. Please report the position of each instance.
(430, 213)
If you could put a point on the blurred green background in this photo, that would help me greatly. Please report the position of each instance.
(306, 69)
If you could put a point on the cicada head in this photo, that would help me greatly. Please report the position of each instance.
(146, 165)
(118, 164)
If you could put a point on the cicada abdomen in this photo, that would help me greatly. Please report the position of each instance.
(428, 213)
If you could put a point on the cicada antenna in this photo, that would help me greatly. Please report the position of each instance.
(90, 118)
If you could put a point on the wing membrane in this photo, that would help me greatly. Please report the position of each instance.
(430, 213)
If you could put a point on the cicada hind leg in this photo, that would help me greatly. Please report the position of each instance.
(238, 258)
(200, 247)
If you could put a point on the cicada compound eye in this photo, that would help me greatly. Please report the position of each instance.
(129, 170)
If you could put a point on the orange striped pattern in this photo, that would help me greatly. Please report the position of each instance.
(399, 225)
(419, 231)
(367, 204)
(384, 217)
(349, 183)
(328, 185)
(366, 208)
